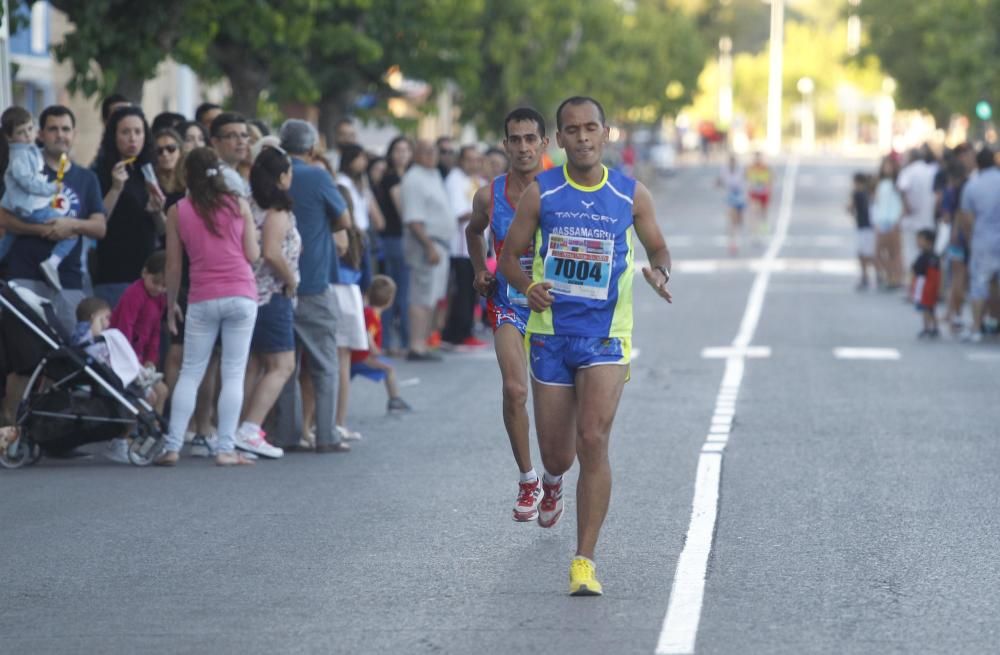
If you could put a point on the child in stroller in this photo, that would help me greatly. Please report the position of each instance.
(95, 336)
(71, 398)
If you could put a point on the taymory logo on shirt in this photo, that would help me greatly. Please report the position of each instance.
(593, 217)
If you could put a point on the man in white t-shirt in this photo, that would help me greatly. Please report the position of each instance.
(430, 226)
(461, 184)
(916, 185)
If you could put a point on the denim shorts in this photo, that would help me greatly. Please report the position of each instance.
(274, 331)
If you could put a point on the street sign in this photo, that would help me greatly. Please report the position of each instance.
(983, 110)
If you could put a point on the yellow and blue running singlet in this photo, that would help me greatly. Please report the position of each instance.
(583, 246)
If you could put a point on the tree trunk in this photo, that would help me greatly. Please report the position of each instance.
(246, 93)
(332, 107)
(131, 87)
(247, 79)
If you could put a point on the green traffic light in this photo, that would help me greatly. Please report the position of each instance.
(983, 110)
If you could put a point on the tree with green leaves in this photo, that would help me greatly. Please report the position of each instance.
(258, 45)
(942, 53)
(126, 39)
(538, 52)
(356, 42)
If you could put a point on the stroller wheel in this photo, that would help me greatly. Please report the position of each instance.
(145, 448)
(22, 452)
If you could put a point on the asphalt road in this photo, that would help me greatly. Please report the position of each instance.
(857, 507)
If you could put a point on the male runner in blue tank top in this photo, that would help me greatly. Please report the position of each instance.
(581, 219)
(493, 206)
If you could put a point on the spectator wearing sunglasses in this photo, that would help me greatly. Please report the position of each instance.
(167, 152)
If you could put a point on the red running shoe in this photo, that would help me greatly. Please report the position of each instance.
(434, 341)
(529, 495)
(473, 342)
(551, 506)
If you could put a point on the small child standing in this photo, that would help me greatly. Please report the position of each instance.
(93, 333)
(29, 193)
(139, 312)
(369, 363)
(860, 206)
(927, 283)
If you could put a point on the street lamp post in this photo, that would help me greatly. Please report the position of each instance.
(725, 82)
(774, 86)
(6, 91)
(806, 86)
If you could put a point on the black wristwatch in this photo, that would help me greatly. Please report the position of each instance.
(666, 273)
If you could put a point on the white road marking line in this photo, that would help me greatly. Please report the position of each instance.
(866, 353)
(408, 382)
(983, 357)
(837, 267)
(721, 241)
(753, 352)
(687, 594)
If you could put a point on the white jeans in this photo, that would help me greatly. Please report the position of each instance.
(234, 317)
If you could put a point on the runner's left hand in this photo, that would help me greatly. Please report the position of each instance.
(484, 283)
(655, 280)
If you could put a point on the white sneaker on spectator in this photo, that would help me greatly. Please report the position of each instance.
(202, 446)
(118, 451)
(971, 336)
(252, 441)
(348, 435)
(50, 272)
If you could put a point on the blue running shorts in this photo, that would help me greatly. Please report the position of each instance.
(555, 359)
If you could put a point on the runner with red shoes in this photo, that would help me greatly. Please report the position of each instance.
(507, 310)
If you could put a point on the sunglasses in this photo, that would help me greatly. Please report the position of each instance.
(162, 149)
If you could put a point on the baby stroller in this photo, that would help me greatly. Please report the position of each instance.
(71, 399)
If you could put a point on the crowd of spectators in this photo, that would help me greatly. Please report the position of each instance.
(253, 273)
(929, 225)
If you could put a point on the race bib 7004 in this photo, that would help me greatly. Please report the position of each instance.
(579, 266)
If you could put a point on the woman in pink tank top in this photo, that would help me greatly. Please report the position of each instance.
(216, 230)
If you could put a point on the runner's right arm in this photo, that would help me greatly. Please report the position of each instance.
(474, 237)
(519, 237)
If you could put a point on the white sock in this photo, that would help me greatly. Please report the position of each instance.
(551, 479)
(530, 476)
(252, 428)
(55, 259)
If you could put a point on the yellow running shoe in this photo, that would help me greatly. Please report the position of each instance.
(582, 578)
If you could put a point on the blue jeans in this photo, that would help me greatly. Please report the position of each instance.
(234, 317)
(38, 217)
(397, 317)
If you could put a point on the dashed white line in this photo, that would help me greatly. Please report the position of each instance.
(983, 357)
(680, 625)
(753, 352)
(866, 353)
